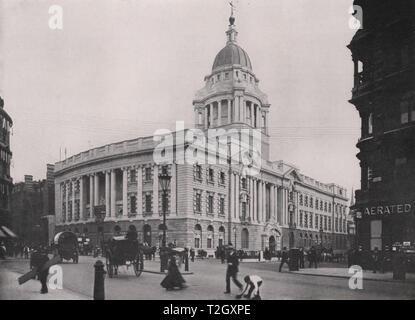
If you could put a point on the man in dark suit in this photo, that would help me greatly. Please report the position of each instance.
(284, 258)
(232, 271)
(38, 259)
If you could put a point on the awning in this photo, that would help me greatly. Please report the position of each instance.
(6, 233)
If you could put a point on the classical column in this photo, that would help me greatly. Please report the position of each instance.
(229, 112)
(275, 203)
(81, 198)
(139, 190)
(124, 192)
(231, 196)
(219, 113)
(211, 114)
(251, 198)
(254, 200)
(259, 199)
(107, 194)
(156, 190)
(73, 199)
(237, 184)
(113, 211)
(236, 108)
(258, 117)
(66, 200)
(286, 206)
(264, 202)
(271, 202)
(96, 189)
(91, 196)
(206, 116)
(241, 109)
(173, 189)
(243, 103)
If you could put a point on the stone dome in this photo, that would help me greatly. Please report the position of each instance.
(230, 55)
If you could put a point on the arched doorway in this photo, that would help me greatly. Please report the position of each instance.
(147, 234)
(210, 239)
(271, 245)
(198, 236)
(221, 238)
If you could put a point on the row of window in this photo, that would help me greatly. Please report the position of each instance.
(227, 75)
(210, 202)
(321, 205)
(210, 175)
(321, 222)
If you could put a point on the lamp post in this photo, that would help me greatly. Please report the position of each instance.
(164, 180)
(234, 233)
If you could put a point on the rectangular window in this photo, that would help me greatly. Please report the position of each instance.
(404, 112)
(370, 124)
(301, 218)
(305, 219)
(222, 206)
(244, 184)
(222, 177)
(197, 243)
(209, 243)
(211, 175)
(148, 174)
(210, 204)
(325, 223)
(329, 223)
(133, 175)
(148, 203)
(164, 170)
(243, 210)
(133, 204)
(311, 221)
(198, 172)
(198, 202)
(316, 222)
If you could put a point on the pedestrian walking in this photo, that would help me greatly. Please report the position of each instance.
(253, 282)
(284, 258)
(232, 271)
(375, 260)
(192, 254)
(301, 258)
(312, 257)
(38, 259)
(173, 278)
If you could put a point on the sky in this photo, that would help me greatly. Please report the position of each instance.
(120, 69)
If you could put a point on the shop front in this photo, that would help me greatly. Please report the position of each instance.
(384, 225)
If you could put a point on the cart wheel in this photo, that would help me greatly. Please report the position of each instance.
(138, 265)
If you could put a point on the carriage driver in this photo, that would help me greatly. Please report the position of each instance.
(131, 234)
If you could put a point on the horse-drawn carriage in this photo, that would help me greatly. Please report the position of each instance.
(66, 246)
(121, 251)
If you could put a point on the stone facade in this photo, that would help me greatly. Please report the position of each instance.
(209, 202)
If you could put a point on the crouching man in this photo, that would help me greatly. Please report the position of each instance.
(253, 283)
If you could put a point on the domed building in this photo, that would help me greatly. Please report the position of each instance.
(109, 189)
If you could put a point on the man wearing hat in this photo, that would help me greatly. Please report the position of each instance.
(232, 270)
(38, 260)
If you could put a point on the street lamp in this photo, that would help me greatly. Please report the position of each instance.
(234, 233)
(164, 180)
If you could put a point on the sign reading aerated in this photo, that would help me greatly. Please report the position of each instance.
(386, 210)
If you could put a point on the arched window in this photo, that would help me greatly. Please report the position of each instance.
(209, 239)
(198, 236)
(245, 239)
(221, 236)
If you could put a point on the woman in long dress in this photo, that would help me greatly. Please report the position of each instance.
(174, 278)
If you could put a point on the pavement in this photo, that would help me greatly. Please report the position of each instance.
(207, 282)
(344, 273)
(11, 290)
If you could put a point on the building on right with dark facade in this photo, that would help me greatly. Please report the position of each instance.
(383, 52)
